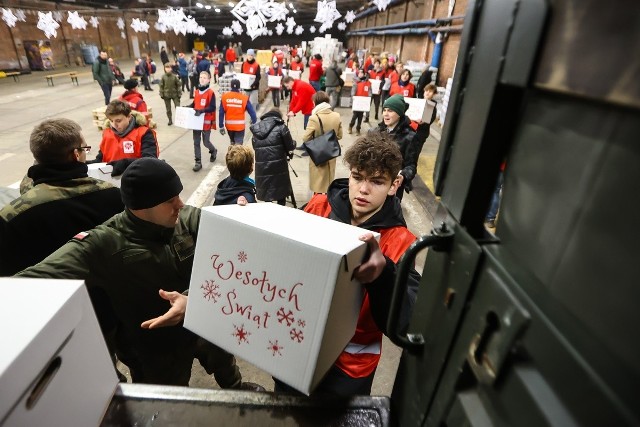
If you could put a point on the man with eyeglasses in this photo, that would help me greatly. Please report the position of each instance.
(62, 201)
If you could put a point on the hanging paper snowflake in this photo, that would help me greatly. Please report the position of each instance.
(20, 15)
(327, 12)
(160, 27)
(256, 13)
(123, 35)
(227, 31)
(279, 12)
(342, 26)
(76, 21)
(47, 24)
(322, 28)
(350, 17)
(291, 24)
(57, 16)
(381, 4)
(120, 23)
(236, 27)
(312, 29)
(270, 32)
(299, 30)
(279, 28)
(9, 17)
(94, 22)
(139, 26)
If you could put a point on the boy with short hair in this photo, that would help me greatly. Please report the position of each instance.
(238, 187)
(170, 90)
(204, 102)
(361, 87)
(367, 199)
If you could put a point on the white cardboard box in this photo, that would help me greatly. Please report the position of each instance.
(375, 86)
(246, 80)
(273, 286)
(274, 81)
(295, 74)
(419, 109)
(186, 118)
(50, 332)
(361, 103)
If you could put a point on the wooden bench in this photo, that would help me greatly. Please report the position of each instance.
(72, 74)
(14, 74)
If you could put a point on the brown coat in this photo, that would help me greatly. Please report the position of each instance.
(321, 176)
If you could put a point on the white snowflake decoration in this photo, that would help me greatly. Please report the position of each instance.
(312, 29)
(289, 30)
(94, 22)
(139, 26)
(279, 28)
(327, 12)
(342, 26)
(123, 35)
(21, 16)
(381, 4)
(350, 17)
(9, 17)
(176, 20)
(322, 28)
(47, 24)
(76, 21)
(160, 27)
(120, 23)
(279, 12)
(270, 32)
(291, 24)
(236, 27)
(299, 30)
(227, 31)
(256, 13)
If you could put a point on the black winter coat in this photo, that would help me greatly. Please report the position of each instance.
(271, 142)
(230, 189)
(404, 135)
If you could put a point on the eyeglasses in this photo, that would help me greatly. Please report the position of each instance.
(86, 148)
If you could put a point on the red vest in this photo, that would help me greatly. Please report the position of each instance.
(377, 75)
(202, 101)
(297, 66)
(234, 105)
(250, 68)
(363, 88)
(128, 147)
(361, 356)
(408, 90)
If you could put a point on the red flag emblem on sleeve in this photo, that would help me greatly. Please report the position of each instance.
(81, 235)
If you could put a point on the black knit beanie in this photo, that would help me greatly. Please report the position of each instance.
(147, 182)
(130, 84)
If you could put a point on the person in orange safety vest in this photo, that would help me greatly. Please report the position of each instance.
(233, 105)
(367, 200)
(126, 139)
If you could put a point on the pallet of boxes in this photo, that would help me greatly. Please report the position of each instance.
(100, 120)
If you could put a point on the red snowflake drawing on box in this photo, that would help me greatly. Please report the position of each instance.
(210, 290)
(242, 256)
(275, 348)
(302, 323)
(285, 317)
(241, 334)
(296, 335)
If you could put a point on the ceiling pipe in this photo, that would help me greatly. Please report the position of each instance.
(403, 25)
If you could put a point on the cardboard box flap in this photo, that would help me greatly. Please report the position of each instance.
(64, 306)
(308, 229)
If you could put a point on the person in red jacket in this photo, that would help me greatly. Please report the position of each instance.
(367, 200)
(301, 93)
(275, 70)
(134, 98)
(126, 139)
(376, 73)
(230, 56)
(204, 102)
(361, 87)
(403, 86)
(315, 71)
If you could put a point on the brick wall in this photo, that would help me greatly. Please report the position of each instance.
(413, 47)
(66, 47)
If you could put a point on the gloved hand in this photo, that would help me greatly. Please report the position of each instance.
(119, 166)
(222, 131)
(198, 112)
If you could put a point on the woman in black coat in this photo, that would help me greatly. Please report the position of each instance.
(272, 144)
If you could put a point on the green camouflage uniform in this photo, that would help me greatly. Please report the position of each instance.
(170, 90)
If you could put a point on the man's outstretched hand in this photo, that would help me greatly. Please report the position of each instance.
(174, 316)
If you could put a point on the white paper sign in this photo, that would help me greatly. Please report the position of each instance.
(361, 103)
(103, 172)
(274, 81)
(186, 118)
(375, 86)
(295, 74)
(419, 109)
(246, 80)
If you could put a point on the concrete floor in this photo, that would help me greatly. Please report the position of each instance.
(25, 103)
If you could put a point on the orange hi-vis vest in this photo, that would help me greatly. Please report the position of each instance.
(234, 105)
(363, 88)
(202, 101)
(128, 147)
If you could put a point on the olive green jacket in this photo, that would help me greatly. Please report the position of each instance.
(170, 86)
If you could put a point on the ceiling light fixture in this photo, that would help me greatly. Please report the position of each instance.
(217, 10)
(290, 5)
(207, 7)
(231, 4)
(199, 5)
